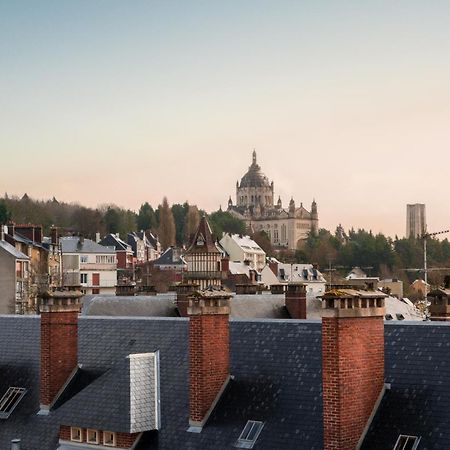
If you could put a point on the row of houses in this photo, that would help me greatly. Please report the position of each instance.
(31, 263)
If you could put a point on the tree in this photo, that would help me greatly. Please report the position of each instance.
(166, 232)
(224, 222)
(179, 216)
(146, 219)
(112, 220)
(5, 214)
(262, 239)
(192, 222)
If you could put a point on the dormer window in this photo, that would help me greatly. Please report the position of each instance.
(109, 439)
(92, 437)
(76, 434)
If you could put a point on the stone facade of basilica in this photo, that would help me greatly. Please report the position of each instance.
(286, 227)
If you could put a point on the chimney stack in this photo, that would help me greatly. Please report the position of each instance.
(273, 265)
(209, 341)
(59, 342)
(295, 300)
(54, 235)
(352, 365)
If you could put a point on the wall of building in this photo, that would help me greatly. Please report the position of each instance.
(7, 283)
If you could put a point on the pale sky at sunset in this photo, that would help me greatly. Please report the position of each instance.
(347, 102)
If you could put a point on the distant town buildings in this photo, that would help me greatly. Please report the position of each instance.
(91, 265)
(286, 227)
(416, 223)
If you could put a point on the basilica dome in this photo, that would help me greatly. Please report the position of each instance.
(254, 176)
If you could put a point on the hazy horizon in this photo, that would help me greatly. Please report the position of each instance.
(112, 102)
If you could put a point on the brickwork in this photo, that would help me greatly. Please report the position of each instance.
(353, 377)
(209, 361)
(295, 301)
(59, 338)
(123, 440)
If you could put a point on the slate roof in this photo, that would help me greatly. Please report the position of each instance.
(12, 251)
(112, 240)
(276, 368)
(168, 259)
(203, 241)
(73, 244)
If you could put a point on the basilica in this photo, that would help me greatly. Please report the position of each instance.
(286, 227)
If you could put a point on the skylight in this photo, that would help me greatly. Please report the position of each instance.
(405, 442)
(10, 400)
(249, 434)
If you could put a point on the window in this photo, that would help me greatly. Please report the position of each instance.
(407, 442)
(388, 317)
(400, 317)
(249, 434)
(92, 437)
(83, 278)
(76, 434)
(10, 400)
(83, 258)
(109, 438)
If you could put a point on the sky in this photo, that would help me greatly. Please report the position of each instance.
(345, 102)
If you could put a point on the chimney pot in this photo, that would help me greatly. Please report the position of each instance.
(15, 444)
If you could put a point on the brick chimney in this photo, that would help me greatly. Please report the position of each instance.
(352, 365)
(273, 266)
(54, 235)
(59, 342)
(209, 370)
(295, 300)
(225, 266)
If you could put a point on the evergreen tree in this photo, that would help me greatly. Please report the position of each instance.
(166, 232)
(146, 219)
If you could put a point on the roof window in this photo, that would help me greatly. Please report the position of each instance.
(388, 317)
(405, 442)
(249, 434)
(400, 317)
(10, 400)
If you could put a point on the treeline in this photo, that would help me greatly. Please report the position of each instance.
(377, 254)
(174, 224)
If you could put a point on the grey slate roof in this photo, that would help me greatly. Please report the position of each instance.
(121, 399)
(73, 244)
(169, 259)
(12, 251)
(111, 240)
(276, 366)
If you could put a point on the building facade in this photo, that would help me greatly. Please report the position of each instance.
(89, 265)
(244, 249)
(14, 280)
(286, 227)
(203, 259)
(416, 222)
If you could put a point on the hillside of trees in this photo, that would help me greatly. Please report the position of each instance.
(174, 224)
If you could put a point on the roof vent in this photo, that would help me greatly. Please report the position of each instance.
(400, 317)
(388, 317)
(249, 434)
(15, 444)
(407, 442)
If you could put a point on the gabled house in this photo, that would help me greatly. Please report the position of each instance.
(89, 265)
(124, 254)
(14, 280)
(44, 258)
(203, 258)
(243, 249)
